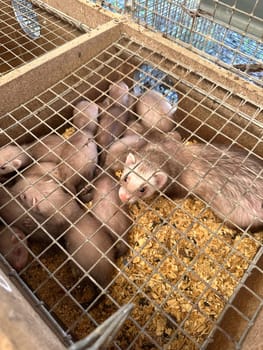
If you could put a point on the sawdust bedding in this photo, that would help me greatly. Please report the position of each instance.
(182, 268)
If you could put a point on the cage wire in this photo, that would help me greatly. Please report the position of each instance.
(195, 23)
(184, 268)
(30, 29)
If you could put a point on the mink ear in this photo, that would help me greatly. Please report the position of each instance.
(130, 159)
(16, 163)
(160, 179)
(19, 257)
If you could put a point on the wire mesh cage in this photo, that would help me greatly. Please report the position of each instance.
(185, 267)
(226, 32)
(30, 30)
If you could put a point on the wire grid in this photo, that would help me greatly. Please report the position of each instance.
(17, 48)
(224, 118)
(199, 29)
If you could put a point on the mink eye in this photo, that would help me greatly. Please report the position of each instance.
(125, 179)
(143, 189)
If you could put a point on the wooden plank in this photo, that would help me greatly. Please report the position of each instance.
(90, 14)
(28, 81)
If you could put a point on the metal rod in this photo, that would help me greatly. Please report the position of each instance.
(105, 333)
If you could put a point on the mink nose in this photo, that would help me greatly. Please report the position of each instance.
(124, 197)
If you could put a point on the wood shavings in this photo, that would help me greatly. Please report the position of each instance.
(68, 132)
(224, 284)
(246, 246)
(192, 299)
(118, 173)
(198, 326)
(180, 273)
(211, 304)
